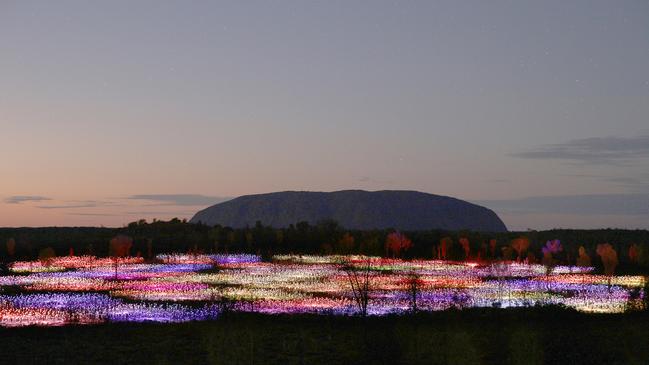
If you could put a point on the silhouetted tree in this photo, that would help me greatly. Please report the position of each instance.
(492, 248)
(583, 260)
(395, 243)
(149, 249)
(549, 250)
(370, 244)
(634, 251)
(119, 246)
(608, 256)
(46, 255)
(445, 245)
(466, 247)
(359, 281)
(520, 245)
(507, 252)
(11, 248)
(345, 244)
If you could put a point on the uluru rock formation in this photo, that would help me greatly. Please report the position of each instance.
(353, 209)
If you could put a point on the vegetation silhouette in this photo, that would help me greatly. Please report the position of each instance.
(328, 237)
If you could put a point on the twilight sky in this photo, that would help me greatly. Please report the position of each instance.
(118, 110)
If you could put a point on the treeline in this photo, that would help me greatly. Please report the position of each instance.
(327, 237)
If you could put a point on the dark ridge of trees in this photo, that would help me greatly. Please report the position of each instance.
(328, 237)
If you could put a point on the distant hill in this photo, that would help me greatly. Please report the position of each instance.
(353, 209)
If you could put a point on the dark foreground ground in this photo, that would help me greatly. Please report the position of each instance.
(520, 336)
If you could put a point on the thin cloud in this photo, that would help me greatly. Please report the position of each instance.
(94, 214)
(18, 199)
(179, 199)
(596, 151)
(80, 204)
(594, 204)
(636, 183)
(368, 179)
(162, 213)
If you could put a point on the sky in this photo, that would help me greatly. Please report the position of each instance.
(115, 111)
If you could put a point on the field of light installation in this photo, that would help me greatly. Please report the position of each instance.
(180, 288)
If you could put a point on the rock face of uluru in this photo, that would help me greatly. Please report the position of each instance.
(353, 209)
